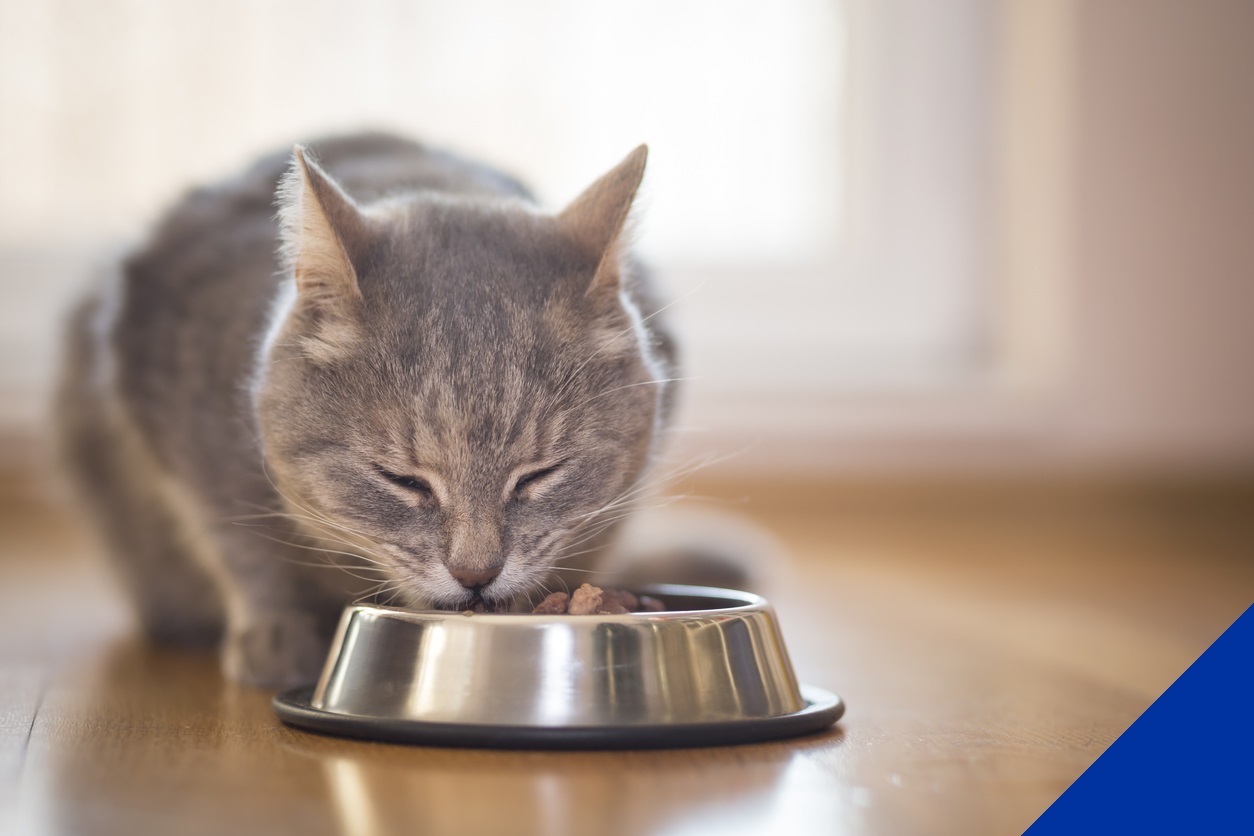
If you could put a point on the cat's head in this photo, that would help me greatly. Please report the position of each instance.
(461, 385)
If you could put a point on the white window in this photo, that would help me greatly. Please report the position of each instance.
(820, 180)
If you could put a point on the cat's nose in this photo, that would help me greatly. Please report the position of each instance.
(474, 578)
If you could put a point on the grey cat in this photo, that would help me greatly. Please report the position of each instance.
(412, 369)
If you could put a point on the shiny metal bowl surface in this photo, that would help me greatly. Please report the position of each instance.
(715, 658)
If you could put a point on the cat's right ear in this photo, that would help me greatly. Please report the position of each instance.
(319, 226)
(596, 220)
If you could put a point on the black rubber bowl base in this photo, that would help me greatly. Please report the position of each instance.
(823, 708)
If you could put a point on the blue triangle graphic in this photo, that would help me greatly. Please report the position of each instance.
(1186, 765)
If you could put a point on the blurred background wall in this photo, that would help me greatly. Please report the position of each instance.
(902, 236)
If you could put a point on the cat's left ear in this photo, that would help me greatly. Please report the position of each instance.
(320, 228)
(597, 217)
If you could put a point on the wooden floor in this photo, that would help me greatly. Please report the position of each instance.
(990, 644)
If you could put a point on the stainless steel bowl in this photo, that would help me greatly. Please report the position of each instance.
(711, 669)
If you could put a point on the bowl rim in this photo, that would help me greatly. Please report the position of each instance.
(749, 602)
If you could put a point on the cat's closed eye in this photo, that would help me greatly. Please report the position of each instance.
(416, 484)
(534, 477)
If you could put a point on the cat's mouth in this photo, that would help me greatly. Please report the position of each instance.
(481, 604)
(476, 603)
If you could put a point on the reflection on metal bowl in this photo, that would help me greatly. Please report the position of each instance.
(711, 669)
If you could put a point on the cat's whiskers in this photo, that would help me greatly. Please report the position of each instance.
(395, 592)
(306, 508)
(619, 499)
(330, 564)
(361, 551)
(367, 549)
(593, 526)
(544, 587)
(584, 571)
(374, 589)
(617, 510)
(658, 481)
(379, 589)
(651, 482)
(323, 523)
(639, 383)
(597, 527)
(312, 523)
(370, 566)
(370, 557)
(624, 505)
(324, 565)
(309, 515)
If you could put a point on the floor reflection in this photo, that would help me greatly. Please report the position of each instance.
(379, 789)
(137, 740)
(134, 739)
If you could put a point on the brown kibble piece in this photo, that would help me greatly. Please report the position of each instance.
(586, 600)
(592, 600)
(613, 609)
(619, 598)
(555, 604)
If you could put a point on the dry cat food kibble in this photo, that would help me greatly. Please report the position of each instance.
(592, 600)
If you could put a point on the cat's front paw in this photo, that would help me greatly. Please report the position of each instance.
(276, 651)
